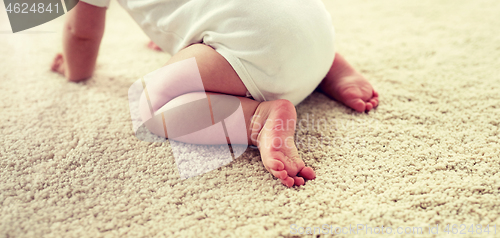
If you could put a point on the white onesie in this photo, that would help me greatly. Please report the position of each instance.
(280, 49)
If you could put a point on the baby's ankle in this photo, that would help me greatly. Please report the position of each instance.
(281, 110)
(257, 123)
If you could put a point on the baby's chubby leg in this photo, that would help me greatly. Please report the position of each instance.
(208, 93)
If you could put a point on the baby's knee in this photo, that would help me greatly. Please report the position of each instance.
(171, 81)
(180, 116)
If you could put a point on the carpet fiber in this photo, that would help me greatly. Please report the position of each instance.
(71, 166)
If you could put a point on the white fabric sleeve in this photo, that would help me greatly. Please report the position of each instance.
(97, 3)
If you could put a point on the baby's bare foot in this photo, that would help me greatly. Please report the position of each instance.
(58, 64)
(346, 85)
(356, 92)
(153, 46)
(273, 129)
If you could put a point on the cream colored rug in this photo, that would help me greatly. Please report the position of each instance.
(70, 165)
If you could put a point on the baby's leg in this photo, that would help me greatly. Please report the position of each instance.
(263, 121)
(346, 85)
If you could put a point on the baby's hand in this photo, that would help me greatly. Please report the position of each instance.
(59, 65)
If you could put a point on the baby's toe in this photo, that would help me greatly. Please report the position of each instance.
(356, 104)
(288, 182)
(279, 174)
(369, 106)
(299, 181)
(274, 164)
(307, 173)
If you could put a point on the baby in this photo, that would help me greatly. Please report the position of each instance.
(270, 55)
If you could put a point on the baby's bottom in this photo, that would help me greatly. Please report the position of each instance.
(269, 125)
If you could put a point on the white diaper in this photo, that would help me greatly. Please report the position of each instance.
(281, 49)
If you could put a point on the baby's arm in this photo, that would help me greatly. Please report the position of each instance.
(82, 36)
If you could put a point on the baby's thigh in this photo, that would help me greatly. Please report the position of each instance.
(197, 68)
(217, 75)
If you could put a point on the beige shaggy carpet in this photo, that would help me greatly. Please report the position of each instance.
(70, 165)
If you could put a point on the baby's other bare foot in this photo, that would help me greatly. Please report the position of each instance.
(58, 64)
(346, 85)
(355, 92)
(273, 129)
(153, 46)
